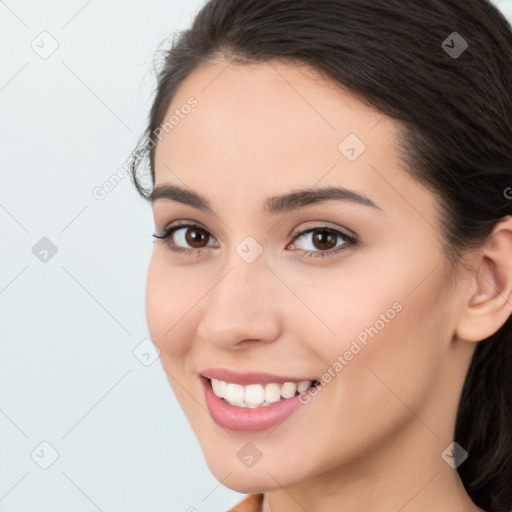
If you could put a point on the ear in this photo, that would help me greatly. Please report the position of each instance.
(489, 299)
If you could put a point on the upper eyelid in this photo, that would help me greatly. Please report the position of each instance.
(308, 227)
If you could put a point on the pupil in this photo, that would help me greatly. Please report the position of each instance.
(196, 237)
(324, 237)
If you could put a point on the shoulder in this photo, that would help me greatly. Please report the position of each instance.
(251, 503)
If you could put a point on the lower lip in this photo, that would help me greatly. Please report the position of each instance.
(244, 419)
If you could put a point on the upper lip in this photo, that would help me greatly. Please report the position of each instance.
(249, 378)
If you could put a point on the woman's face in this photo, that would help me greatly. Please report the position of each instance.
(376, 314)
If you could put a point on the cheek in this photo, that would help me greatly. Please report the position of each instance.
(403, 349)
(395, 293)
(353, 305)
(167, 302)
(386, 326)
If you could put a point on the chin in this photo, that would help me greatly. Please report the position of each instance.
(253, 480)
(248, 483)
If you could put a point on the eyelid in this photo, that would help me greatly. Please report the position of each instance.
(293, 234)
(349, 234)
(172, 227)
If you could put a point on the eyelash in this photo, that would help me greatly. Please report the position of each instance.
(350, 241)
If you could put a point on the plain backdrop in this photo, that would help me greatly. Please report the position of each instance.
(88, 420)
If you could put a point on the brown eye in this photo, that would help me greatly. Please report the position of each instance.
(195, 237)
(324, 239)
(186, 238)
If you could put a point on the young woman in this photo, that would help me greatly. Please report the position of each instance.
(331, 185)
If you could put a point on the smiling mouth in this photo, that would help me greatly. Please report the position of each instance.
(258, 395)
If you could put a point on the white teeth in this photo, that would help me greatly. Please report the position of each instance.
(272, 393)
(257, 395)
(235, 393)
(219, 387)
(302, 386)
(254, 394)
(288, 389)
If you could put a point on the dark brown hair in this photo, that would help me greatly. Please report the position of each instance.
(408, 59)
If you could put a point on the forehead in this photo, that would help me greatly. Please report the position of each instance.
(261, 129)
(252, 109)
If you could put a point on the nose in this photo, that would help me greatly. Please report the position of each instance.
(241, 307)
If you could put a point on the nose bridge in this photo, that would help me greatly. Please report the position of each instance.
(239, 305)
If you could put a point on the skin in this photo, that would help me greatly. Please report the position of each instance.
(372, 438)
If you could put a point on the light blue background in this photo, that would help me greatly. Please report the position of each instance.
(68, 373)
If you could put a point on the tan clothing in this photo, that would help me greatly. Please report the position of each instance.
(251, 503)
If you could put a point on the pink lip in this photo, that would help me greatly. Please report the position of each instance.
(245, 379)
(243, 419)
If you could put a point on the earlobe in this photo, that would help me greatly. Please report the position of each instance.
(478, 299)
(489, 304)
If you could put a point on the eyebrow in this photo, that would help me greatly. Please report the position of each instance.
(273, 205)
